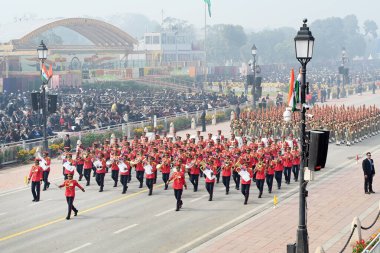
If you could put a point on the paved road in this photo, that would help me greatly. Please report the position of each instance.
(111, 222)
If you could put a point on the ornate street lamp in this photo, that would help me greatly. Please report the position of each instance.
(42, 51)
(253, 68)
(304, 45)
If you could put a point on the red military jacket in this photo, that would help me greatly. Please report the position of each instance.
(70, 187)
(87, 163)
(35, 173)
(154, 168)
(178, 180)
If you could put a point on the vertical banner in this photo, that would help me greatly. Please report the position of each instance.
(1, 85)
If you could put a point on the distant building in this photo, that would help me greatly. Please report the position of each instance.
(166, 49)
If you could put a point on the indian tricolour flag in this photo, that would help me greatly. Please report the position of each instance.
(294, 88)
(46, 74)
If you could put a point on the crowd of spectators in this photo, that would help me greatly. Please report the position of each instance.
(82, 109)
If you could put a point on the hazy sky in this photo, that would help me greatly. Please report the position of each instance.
(251, 14)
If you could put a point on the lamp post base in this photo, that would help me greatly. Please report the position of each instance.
(302, 241)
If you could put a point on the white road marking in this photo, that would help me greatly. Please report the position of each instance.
(78, 248)
(164, 212)
(201, 197)
(126, 228)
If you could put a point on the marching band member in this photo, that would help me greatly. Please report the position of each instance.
(125, 169)
(35, 175)
(296, 161)
(114, 169)
(179, 182)
(150, 169)
(193, 167)
(279, 167)
(260, 176)
(69, 165)
(165, 169)
(79, 164)
(226, 174)
(101, 171)
(46, 169)
(138, 162)
(235, 174)
(218, 165)
(270, 174)
(70, 185)
(288, 164)
(64, 156)
(209, 170)
(246, 175)
(87, 166)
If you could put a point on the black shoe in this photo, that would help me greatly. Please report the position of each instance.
(366, 192)
(76, 213)
(48, 184)
(44, 189)
(34, 200)
(245, 202)
(371, 191)
(123, 192)
(210, 199)
(270, 191)
(177, 209)
(115, 185)
(180, 205)
(67, 218)
(100, 190)
(150, 194)
(87, 184)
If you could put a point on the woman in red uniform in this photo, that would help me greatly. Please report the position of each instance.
(296, 161)
(46, 170)
(279, 167)
(226, 174)
(210, 172)
(288, 164)
(150, 167)
(260, 176)
(35, 175)
(125, 171)
(194, 171)
(178, 178)
(270, 174)
(87, 166)
(70, 185)
(245, 182)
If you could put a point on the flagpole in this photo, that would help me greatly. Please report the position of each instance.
(205, 45)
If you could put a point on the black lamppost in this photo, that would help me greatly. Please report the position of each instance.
(253, 69)
(42, 55)
(344, 71)
(304, 43)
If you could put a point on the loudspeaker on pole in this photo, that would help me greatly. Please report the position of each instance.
(36, 101)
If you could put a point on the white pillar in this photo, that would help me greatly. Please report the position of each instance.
(214, 119)
(193, 125)
(357, 236)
